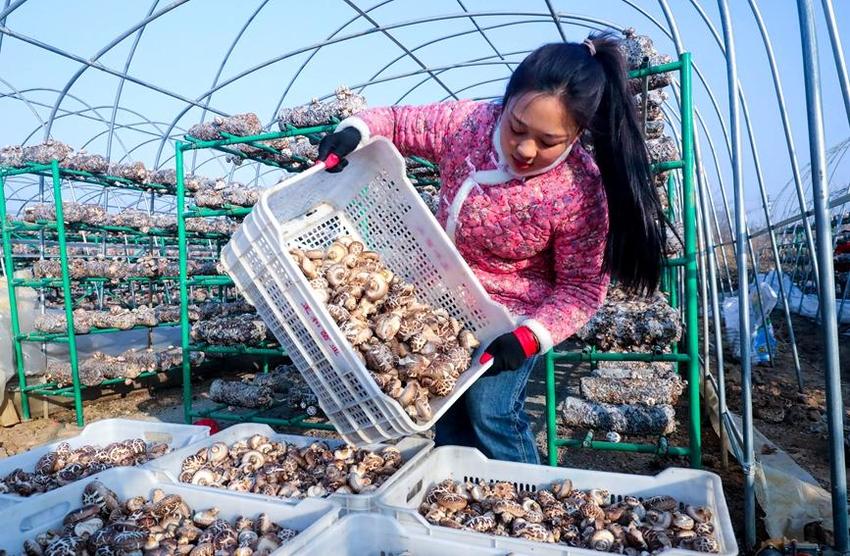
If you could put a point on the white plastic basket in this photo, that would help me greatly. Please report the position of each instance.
(373, 201)
(101, 433)
(26, 520)
(461, 464)
(379, 535)
(412, 450)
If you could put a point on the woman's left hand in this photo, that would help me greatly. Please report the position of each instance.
(509, 351)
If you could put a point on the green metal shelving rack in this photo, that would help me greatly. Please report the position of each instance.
(226, 145)
(688, 356)
(15, 231)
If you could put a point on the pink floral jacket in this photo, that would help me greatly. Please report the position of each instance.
(536, 243)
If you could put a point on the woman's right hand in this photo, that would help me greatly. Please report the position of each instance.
(339, 144)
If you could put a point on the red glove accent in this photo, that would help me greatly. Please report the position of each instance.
(511, 349)
(527, 340)
(331, 161)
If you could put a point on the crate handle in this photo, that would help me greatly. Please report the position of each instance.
(159, 436)
(44, 516)
(415, 489)
(320, 210)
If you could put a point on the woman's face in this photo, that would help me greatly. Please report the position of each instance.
(535, 130)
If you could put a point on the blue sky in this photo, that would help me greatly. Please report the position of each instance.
(182, 50)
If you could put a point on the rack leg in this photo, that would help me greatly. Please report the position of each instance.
(13, 303)
(551, 412)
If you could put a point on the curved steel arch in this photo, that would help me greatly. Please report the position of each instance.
(16, 93)
(93, 109)
(424, 81)
(446, 37)
(291, 82)
(316, 46)
(107, 48)
(395, 41)
(221, 65)
(352, 36)
(118, 92)
(80, 113)
(132, 126)
(35, 42)
(9, 9)
(89, 108)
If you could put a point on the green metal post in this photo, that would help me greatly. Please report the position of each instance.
(674, 273)
(66, 292)
(13, 302)
(551, 411)
(673, 283)
(184, 298)
(689, 221)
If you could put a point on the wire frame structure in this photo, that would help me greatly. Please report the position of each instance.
(770, 92)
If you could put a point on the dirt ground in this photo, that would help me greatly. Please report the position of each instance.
(793, 421)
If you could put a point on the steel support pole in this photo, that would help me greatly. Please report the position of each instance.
(829, 319)
(741, 234)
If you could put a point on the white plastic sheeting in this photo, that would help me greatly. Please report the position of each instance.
(761, 331)
(804, 304)
(789, 496)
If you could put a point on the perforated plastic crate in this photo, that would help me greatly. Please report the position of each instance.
(101, 433)
(412, 450)
(690, 486)
(373, 201)
(29, 519)
(379, 535)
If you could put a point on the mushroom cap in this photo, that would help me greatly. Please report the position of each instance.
(450, 500)
(700, 514)
(509, 507)
(377, 287)
(410, 393)
(602, 540)
(81, 514)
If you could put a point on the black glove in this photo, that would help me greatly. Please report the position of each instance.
(340, 143)
(509, 351)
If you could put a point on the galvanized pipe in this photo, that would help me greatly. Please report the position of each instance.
(741, 261)
(829, 323)
(711, 257)
(786, 123)
(713, 209)
(837, 54)
(776, 261)
(722, 45)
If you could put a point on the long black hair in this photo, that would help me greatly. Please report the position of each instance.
(591, 81)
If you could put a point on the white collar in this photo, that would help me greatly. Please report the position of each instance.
(504, 172)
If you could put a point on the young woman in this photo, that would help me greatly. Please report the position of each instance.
(541, 223)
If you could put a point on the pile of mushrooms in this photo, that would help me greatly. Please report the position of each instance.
(263, 466)
(580, 518)
(65, 465)
(414, 351)
(163, 525)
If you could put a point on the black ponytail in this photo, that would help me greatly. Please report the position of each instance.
(592, 83)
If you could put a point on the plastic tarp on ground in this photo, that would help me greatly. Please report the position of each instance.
(804, 304)
(789, 496)
(27, 309)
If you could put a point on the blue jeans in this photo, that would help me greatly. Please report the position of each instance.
(491, 416)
